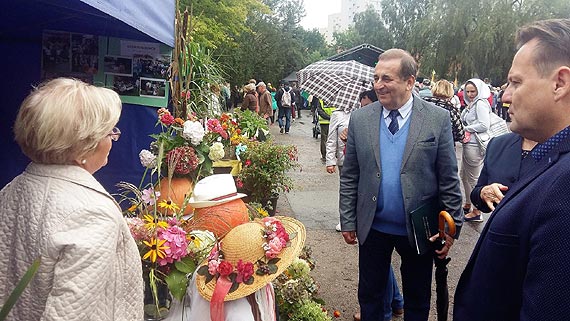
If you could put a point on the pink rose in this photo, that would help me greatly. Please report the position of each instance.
(279, 231)
(167, 119)
(214, 253)
(275, 246)
(213, 267)
(212, 124)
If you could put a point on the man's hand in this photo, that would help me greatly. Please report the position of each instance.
(331, 169)
(492, 194)
(349, 237)
(343, 135)
(448, 244)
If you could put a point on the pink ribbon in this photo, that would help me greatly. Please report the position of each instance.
(222, 288)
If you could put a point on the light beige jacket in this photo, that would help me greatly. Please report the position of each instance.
(90, 267)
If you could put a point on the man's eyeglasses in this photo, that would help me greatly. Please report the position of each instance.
(115, 134)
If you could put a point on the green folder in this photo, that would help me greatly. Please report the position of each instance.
(425, 224)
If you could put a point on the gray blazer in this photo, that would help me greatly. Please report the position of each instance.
(429, 167)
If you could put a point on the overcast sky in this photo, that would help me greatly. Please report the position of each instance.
(318, 12)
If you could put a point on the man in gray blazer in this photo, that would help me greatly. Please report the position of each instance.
(399, 154)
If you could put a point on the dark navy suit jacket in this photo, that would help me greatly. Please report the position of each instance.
(501, 165)
(519, 267)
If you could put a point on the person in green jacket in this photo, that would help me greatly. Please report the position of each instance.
(324, 113)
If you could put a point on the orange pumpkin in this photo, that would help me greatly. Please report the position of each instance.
(178, 189)
(220, 219)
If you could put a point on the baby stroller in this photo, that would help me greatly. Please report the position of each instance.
(317, 126)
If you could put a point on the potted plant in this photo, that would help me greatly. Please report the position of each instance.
(252, 125)
(264, 171)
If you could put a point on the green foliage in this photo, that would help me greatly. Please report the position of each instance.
(309, 311)
(186, 265)
(262, 39)
(464, 38)
(20, 287)
(251, 123)
(219, 22)
(296, 291)
(177, 280)
(177, 283)
(206, 70)
(193, 70)
(265, 167)
(269, 45)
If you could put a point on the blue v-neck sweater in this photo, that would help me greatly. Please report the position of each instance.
(390, 215)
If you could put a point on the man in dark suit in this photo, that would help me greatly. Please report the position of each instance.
(399, 155)
(519, 267)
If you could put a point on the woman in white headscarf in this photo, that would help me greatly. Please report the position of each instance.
(476, 121)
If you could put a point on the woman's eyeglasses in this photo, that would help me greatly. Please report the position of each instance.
(115, 134)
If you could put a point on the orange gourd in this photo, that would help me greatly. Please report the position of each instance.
(220, 219)
(178, 189)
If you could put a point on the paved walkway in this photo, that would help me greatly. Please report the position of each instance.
(314, 201)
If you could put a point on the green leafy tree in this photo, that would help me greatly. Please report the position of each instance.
(464, 38)
(219, 22)
(274, 44)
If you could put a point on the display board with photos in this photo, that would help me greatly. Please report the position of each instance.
(137, 71)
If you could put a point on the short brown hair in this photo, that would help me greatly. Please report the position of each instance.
(442, 89)
(408, 65)
(553, 48)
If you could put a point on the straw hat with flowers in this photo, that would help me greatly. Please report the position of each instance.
(249, 257)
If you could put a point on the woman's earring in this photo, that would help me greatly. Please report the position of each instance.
(84, 161)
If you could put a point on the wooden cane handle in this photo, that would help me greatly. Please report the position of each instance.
(443, 218)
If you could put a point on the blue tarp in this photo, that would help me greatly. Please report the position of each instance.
(21, 25)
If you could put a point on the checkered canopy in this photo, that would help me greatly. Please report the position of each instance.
(337, 83)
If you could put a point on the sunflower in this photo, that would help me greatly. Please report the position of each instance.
(153, 222)
(156, 249)
(168, 205)
(262, 212)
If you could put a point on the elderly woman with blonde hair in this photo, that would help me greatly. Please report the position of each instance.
(57, 211)
(442, 97)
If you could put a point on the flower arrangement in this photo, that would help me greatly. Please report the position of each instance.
(226, 135)
(296, 292)
(264, 169)
(276, 238)
(168, 251)
(179, 149)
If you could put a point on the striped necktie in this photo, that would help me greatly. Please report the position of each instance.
(393, 127)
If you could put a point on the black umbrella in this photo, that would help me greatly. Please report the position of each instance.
(441, 290)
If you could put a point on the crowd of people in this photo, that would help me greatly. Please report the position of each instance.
(393, 154)
(282, 105)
